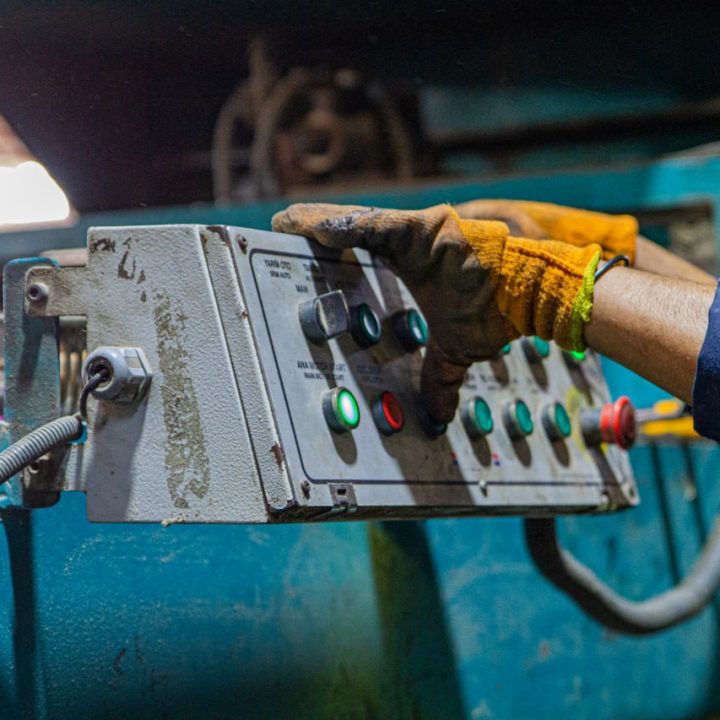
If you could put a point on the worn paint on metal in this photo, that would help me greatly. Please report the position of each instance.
(186, 459)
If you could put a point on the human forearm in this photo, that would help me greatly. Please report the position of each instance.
(652, 325)
(651, 257)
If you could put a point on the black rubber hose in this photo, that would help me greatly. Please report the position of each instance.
(35, 444)
(645, 617)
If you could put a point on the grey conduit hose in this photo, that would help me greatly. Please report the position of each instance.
(657, 613)
(35, 444)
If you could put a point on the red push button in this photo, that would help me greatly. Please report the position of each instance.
(388, 414)
(614, 423)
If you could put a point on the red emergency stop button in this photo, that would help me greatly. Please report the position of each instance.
(388, 413)
(613, 423)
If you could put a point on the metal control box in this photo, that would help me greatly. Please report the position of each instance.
(234, 427)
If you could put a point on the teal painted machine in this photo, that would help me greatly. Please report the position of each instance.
(434, 619)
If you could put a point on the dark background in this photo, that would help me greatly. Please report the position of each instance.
(119, 99)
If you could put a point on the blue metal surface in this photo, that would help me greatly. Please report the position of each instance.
(442, 619)
(32, 375)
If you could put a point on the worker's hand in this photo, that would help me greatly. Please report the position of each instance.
(429, 251)
(478, 286)
(616, 234)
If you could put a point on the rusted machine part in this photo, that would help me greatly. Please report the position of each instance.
(274, 154)
(290, 148)
(239, 109)
(72, 354)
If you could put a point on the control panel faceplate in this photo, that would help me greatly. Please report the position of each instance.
(524, 462)
(284, 387)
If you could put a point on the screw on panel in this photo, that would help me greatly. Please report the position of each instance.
(37, 292)
(305, 487)
(483, 487)
(242, 243)
(39, 466)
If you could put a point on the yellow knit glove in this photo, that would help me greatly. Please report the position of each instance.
(478, 286)
(616, 234)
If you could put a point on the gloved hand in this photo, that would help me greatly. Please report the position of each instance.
(478, 286)
(616, 234)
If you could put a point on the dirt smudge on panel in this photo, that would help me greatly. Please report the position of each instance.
(278, 453)
(116, 666)
(102, 245)
(123, 271)
(186, 460)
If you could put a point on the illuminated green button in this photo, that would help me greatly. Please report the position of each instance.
(518, 420)
(536, 349)
(477, 418)
(576, 355)
(410, 329)
(365, 325)
(341, 410)
(556, 421)
(542, 346)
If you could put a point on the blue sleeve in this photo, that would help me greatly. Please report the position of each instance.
(706, 391)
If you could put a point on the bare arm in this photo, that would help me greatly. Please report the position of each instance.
(652, 258)
(652, 325)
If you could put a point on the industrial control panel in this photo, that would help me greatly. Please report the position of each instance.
(284, 386)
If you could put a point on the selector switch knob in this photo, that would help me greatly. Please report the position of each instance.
(325, 316)
(518, 420)
(365, 325)
(613, 423)
(556, 421)
(536, 349)
(410, 329)
(477, 418)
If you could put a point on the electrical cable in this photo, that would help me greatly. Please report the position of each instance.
(95, 380)
(645, 617)
(37, 443)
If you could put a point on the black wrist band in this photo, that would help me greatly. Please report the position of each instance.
(617, 260)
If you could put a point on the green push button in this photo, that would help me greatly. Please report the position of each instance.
(418, 327)
(518, 420)
(505, 349)
(536, 349)
(562, 420)
(365, 325)
(556, 421)
(576, 355)
(410, 329)
(541, 346)
(477, 418)
(341, 410)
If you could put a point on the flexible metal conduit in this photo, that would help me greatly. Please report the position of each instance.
(35, 444)
(657, 613)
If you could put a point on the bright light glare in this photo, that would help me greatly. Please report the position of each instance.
(29, 195)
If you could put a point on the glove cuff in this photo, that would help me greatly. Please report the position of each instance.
(545, 288)
(542, 287)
